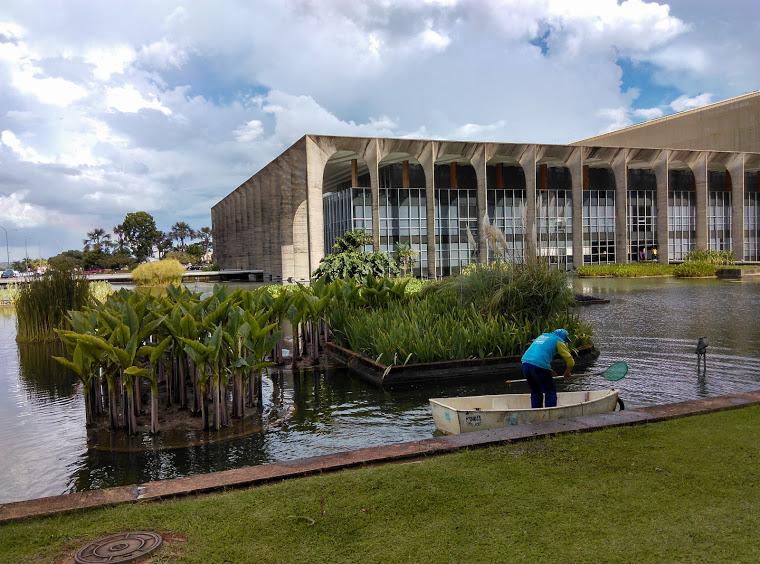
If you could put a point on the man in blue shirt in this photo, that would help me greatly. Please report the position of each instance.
(537, 366)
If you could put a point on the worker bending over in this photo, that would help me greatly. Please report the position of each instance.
(537, 366)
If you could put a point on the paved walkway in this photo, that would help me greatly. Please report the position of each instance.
(255, 475)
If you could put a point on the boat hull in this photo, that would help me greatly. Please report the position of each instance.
(480, 413)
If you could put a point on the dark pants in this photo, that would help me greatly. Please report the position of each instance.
(541, 384)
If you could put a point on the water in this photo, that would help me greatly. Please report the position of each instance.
(651, 324)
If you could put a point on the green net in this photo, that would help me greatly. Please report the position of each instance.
(616, 372)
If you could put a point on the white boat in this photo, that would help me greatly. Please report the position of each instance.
(479, 413)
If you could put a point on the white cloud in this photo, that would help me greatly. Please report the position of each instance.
(109, 60)
(163, 54)
(435, 40)
(683, 103)
(128, 99)
(227, 103)
(28, 154)
(249, 131)
(648, 113)
(18, 213)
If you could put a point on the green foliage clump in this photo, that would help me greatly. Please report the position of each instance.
(492, 311)
(160, 273)
(41, 305)
(629, 270)
(350, 260)
(710, 257)
(695, 269)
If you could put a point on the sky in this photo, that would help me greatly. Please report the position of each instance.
(119, 106)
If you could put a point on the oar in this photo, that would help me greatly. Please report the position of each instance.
(616, 371)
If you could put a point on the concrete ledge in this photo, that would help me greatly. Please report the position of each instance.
(264, 473)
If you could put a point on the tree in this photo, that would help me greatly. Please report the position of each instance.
(67, 260)
(405, 257)
(121, 244)
(350, 260)
(97, 239)
(163, 244)
(181, 231)
(206, 238)
(140, 234)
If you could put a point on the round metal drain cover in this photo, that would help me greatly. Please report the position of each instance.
(122, 547)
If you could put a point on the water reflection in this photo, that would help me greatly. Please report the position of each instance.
(651, 324)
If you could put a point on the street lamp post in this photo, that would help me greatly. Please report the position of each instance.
(7, 252)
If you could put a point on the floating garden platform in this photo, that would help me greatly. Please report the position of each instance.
(472, 369)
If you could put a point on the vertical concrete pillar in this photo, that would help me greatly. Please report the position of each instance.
(453, 180)
(427, 161)
(316, 159)
(528, 163)
(405, 174)
(661, 167)
(479, 164)
(699, 169)
(296, 169)
(372, 159)
(735, 169)
(575, 164)
(354, 173)
(620, 171)
(257, 234)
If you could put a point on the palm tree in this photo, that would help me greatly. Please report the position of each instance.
(206, 237)
(181, 231)
(97, 238)
(121, 244)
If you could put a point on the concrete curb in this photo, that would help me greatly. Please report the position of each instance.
(264, 473)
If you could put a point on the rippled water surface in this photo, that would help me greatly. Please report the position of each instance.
(651, 324)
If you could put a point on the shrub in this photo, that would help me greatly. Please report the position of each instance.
(694, 269)
(630, 270)
(711, 257)
(161, 273)
(349, 260)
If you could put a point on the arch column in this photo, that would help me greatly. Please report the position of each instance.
(660, 168)
(575, 164)
(528, 163)
(699, 169)
(478, 161)
(735, 169)
(371, 158)
(316, 159)
(427, 161)
(620, 171)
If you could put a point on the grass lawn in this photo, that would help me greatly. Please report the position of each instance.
(686, 490)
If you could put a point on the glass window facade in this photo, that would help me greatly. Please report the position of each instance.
(346, 209)
(506, 212)
(554, 218)
(641, 220)
(682, 217)
(719, 212)
(403, 216)
(456, 229)
(506, 201)
(752, 216)
(599, 217)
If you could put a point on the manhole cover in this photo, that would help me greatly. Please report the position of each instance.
(122, 547)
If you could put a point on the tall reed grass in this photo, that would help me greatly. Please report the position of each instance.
(42, 304)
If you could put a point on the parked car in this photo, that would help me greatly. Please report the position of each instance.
(8, 274)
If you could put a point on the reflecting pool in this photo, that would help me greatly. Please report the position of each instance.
(652, 324)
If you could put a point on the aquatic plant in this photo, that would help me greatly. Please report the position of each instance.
(41, 305)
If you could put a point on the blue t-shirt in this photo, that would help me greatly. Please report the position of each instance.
(542, 350)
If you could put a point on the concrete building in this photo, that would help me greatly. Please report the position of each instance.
(612, 198)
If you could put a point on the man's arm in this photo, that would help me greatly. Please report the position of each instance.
(564, 352)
